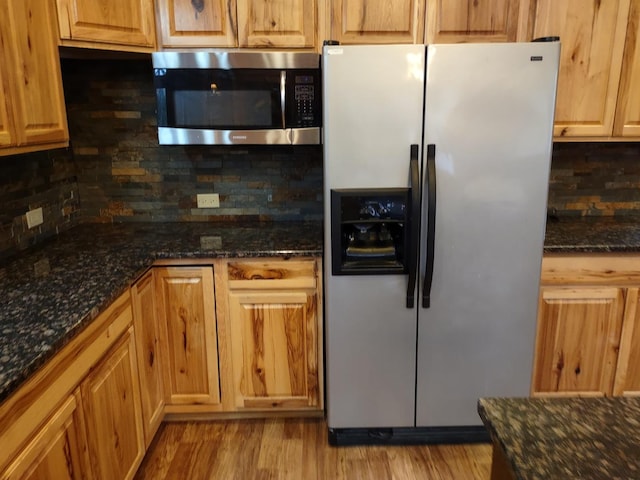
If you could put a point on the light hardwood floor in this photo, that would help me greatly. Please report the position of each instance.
(297, 449)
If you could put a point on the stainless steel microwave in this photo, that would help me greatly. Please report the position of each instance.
(236, 97)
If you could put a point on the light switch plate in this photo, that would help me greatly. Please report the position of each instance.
(208, 200)
(34, 217)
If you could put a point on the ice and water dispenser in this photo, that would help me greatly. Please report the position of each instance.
(370, 231)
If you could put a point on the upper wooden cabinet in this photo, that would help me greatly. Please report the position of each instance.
(377, 21)
(454, 21)
(197, 23)
(290, 23)
(593, 42)
(108, 24)
(627, 121)
(32, 110)
(239, 23)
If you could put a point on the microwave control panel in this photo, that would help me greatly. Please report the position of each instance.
(306, 100)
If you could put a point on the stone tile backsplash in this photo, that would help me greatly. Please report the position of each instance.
(115, 171)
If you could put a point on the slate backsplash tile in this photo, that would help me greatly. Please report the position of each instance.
(115, 171)
(124, 175)
(28, 181)
(590, 179)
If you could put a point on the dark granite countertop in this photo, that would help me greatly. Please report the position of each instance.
(49, 294)
(592, 234)
(566, 438)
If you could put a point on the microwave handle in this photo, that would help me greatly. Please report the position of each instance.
(283, 83)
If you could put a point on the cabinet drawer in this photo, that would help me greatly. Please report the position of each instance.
(272, 274)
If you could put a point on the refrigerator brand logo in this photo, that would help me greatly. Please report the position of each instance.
(239, 137)
(536, 58)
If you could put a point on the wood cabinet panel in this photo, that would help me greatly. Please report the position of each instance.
(150, 369)
(58, 451)
(203, 23)
(25, 411)
(627, 122)
(7, 137)
(119, 22)
(578, 340)
(627, 380)
(111, 404)
(274, 352)
(186, 312)
(269, 312)
(454, 21)
(377, 21)
(290, 23)
(31, 76)
(593, 37)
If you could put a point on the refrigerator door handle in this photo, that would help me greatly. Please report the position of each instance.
(431, 224)
(414, 238)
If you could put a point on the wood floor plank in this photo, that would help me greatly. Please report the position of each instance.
(282, 449)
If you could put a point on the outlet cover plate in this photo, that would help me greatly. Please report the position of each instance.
(34, 217)
(208, 200)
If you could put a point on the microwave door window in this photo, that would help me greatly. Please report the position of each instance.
(222, 99)
(223, 109)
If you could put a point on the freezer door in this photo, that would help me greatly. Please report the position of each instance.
(372, 114)
(489, 115)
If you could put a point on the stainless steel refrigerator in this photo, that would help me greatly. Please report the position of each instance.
(436, 171)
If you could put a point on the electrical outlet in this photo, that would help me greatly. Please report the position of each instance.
(34, 217)
(208, 200)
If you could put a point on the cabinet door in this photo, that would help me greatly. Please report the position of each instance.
(57, 451)
(593, 37)
(454, 21)
(111, 403)
(577, 340)
(273, 345)
(198, 23)
(186, 311)
(7, 136)
(377, 21)
(290, 23)
(628, 107)
(147, 333)
(627, 381)
(32, 74)
(119, 22)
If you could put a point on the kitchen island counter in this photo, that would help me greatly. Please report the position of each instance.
(49, 294)
(563, 438)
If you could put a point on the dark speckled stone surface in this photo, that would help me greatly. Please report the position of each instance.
(592, 234)
(567, 438)
(48, 295)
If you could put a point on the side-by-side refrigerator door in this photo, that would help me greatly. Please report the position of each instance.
(372, 116)
(488, 129)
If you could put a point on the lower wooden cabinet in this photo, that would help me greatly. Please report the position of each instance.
(187, 317)
(79, 415)
(588, 336)
(58, 451)
(150, 367)
(111, 404)
(270, 311)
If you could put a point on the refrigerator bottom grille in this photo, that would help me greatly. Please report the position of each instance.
(408, 435)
